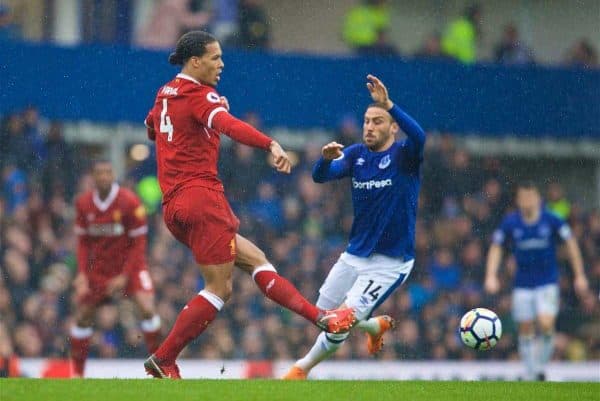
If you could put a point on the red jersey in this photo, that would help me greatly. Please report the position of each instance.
(112, 233)
(186, 121)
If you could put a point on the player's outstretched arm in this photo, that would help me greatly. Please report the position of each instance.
(492, 285)
(414, 132)
(332, 165)
(244, 133)
(580, 281)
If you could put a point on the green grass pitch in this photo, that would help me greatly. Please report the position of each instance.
(277, 390)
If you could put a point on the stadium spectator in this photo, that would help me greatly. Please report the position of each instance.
(57, 174)
(511, 50)
(14, 143)
(363, 24)
(253, 25)
(225, 21)
(382, 46)
(14, 187)
(431, 49)
(9, 362)
(460, 39)
(8, 29)
(445, 272)
(556, 200)
(168, 20)
(106, 21)
(348, 132)
(582, 54)
(34, 129)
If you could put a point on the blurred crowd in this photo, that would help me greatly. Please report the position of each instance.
(302, 226)
(246, 24)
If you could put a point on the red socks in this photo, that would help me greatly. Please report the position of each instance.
(151, 329)
(192, 321)
(80, 346)
(79, 353)
(152, 340)
(284, 293)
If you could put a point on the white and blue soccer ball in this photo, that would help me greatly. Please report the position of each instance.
(480, 329)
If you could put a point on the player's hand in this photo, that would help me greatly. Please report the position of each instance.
(492, 285)
(116, 284)
(581, 285)
(224, 102)
(280, 158)
(332, 150)
(81, 285)
(378, 91)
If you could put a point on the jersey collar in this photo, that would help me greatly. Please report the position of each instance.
(103, 205)
(186, 76)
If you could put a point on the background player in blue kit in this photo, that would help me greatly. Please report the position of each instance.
(385, 189)
(532, 233)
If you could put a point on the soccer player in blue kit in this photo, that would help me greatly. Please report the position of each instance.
(385, 181)
(533, 232)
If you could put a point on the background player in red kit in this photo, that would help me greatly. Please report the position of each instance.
(186, 122)
(111, 258)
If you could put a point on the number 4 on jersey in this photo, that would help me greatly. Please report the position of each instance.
(165, 122)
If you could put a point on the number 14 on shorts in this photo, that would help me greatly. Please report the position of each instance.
(373, 292)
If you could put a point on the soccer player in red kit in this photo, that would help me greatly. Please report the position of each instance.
(186, 122)
(111, 259)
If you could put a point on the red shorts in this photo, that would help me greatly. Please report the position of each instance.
(140, 281)
(202, 219)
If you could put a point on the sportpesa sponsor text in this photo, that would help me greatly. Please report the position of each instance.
(371, 184)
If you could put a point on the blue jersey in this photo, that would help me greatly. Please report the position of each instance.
(385, 191)
(534, 246)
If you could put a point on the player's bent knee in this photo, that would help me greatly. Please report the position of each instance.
(335, 341)
(248, 254)
(526, 328)
(223, 291)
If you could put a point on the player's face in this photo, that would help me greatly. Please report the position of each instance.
(103, 176)
(378, 129)
(210, 65)
(528, 200)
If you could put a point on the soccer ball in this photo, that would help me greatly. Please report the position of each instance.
(480, 328)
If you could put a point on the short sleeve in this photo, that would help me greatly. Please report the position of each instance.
(205, 103)
(136, 223)
(560, 227)
(149, 123)
(501, 233)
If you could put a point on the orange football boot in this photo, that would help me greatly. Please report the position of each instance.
(375, 341)
(337, 320)
(295, 373)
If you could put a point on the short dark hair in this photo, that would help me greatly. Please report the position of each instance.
(527, 184)
(99, 160)
(190, 44)
(380, 105)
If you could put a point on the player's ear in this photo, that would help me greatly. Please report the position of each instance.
(394, 127)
